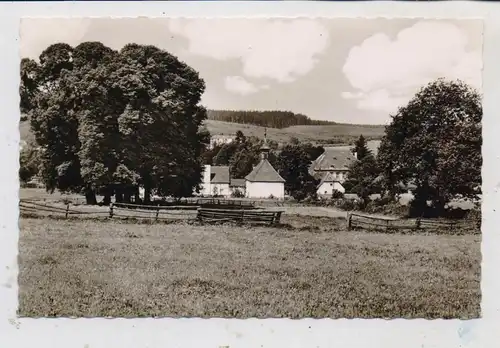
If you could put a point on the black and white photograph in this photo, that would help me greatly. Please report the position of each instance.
(250, 168)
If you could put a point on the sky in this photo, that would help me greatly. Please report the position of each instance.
(349, 70)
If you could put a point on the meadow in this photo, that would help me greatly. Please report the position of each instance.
(311, 267)
(335, 134)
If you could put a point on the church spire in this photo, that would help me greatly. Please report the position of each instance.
(264, 150)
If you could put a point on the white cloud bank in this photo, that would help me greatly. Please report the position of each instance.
(386, 73)
(239, 85)
(280, 50)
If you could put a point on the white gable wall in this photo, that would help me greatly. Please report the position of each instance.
(265, 189)
(327, 188)
(220, 190)
(205, 187)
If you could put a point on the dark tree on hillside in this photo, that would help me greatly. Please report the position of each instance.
(361, 149)
(114, 119)
(435, 142)
(271, 119)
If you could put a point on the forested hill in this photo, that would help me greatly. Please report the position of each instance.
(271, 119)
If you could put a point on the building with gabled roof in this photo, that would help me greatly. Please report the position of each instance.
(264, 181)
(334, 160)
(216, 181)
(328, 185)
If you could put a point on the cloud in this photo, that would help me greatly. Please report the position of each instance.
(276, 49)
(239, 85)
(386, 73)
(38, 33)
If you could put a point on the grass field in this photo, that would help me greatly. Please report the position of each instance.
(314, 268)
(340, 132)
(343, 133)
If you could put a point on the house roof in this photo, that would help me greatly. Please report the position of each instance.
(327, 178)
(333, 158)
(219, 174)
(264, 172)
(237, 182)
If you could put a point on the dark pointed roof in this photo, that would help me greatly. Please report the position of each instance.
(264, 172)
(220, 175)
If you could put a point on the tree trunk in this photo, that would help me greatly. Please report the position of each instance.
(107, 199)
(137, 197)
(90, 197)
(119, 195)
(439, 206)
(147, 194)
(127, 196)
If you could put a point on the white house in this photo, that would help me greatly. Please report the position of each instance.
(336, 160)
(215, 181)
(264, 181)
(328, 184)
(220, 139)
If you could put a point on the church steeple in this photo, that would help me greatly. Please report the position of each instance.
(264, 150)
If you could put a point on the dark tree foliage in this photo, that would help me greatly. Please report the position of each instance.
(361, 149)
(271, 119)
(107, 121)
(293, 163)
(29, 163)
(209, 154)
(362, 176)
(435, 142)
(313, 151)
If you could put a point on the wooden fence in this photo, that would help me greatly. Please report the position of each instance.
(239, 216)
(229, 203)
(114, 210)
(150, 212)
(355, 221)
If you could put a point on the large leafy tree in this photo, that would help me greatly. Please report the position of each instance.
(435, 142)
(361, 178)
(245, 157)
(293, 163)
(108, 119)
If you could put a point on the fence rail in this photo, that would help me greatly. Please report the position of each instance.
(363, 221)
(156, 213)
(239, 216)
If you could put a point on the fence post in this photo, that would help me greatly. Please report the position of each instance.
(157, 212)
(349, 221)
(111, 210)
(67, 210)
(418, 223)
(387, 225)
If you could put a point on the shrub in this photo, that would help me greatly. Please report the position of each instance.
(237, 193)
(336, 194)
(347, 204)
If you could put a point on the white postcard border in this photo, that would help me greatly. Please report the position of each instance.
(102, 332)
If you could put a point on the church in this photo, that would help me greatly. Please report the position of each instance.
(264, 181)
